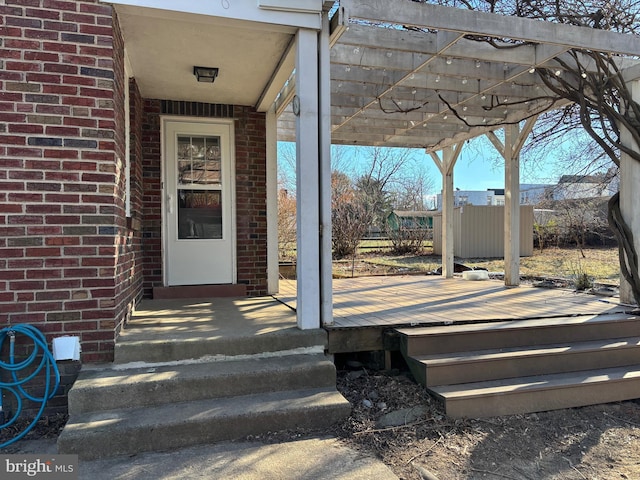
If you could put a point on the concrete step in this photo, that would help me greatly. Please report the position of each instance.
(494, 335)
(540, 393)
(464, 367)
(100, 389)
(147, 343)
(174, 425)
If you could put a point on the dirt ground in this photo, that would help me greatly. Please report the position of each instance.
(597, 442)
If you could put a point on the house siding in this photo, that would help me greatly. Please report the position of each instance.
(69, 259)
(250, 185)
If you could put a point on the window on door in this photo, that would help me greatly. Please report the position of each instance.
(199, 188)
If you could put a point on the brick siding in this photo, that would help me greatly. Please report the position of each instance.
(69, 261)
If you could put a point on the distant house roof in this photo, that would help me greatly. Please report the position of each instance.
(413, 213)
(599, 178)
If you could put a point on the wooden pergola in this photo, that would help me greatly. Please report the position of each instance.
(416, 75)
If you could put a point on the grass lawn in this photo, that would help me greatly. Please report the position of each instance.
(600, 264)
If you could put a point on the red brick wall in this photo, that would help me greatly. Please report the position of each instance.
(152, 197)
(251, 204)
(68, 261)
(251, 230)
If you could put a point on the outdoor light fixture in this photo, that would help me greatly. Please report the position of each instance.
(449, 60)
(205, 74)
(532, 70)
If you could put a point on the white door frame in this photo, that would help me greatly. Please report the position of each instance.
(164, 119)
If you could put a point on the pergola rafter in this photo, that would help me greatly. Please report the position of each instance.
(392, 85)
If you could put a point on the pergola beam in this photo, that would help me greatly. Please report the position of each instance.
(426, 43)
(470, 22)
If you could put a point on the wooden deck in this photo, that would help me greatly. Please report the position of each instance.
(367, 306)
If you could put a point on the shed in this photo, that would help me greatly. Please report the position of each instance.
(479, 231)
(410, 219)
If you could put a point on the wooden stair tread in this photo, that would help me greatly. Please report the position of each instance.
(513, 325)
(538, 382)
(526, 351)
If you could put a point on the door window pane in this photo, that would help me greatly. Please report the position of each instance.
(199, 160)
(199, 214)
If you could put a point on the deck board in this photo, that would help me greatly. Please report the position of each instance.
(423, 300)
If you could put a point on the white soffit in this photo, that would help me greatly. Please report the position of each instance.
(163, 49)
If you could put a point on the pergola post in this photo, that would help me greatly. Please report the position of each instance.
(272, 202)
(629, 198)
(307, 184)
(514, 140)
(445, 165)
(511, 208)
(326, 265)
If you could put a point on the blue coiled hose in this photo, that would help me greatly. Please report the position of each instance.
(17, 385)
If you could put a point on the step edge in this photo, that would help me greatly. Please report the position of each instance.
(527, 351)
(260, 398)
(308, 350)
(470, 328)
(517, 388)
(237, 365)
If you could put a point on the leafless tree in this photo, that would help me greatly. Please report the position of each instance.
(386, 176)
(286, 225)
(350, 216)
(412, 190)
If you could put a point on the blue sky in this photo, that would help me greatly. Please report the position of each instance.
(479, 166)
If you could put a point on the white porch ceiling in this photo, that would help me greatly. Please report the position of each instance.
(394, 86)
(164, 46)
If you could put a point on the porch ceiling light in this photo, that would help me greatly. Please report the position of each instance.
(205, 74)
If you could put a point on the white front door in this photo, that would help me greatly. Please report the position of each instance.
(199, 197)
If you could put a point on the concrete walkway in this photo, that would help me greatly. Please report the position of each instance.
(311, 459)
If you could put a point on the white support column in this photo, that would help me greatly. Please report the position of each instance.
(445, 165)
(307, 184)
(272, 202)
(326, 265)
(514, 140)
(511, 207)
(629, 197)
